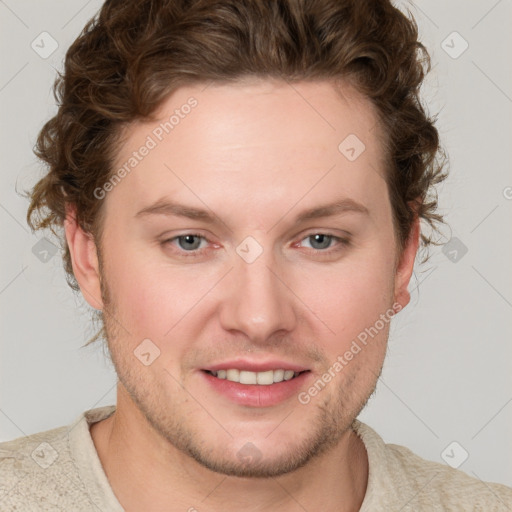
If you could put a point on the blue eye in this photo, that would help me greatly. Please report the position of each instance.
(320, 240)
(192, 245)
(189, 242)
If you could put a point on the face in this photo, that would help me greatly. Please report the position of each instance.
(244, 256)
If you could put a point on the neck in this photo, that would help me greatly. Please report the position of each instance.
(147, 473)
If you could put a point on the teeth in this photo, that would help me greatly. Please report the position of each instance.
(248, 377)
(265, 378)
(288, 374)
(278, 375)
(262, 378)
(233, 375)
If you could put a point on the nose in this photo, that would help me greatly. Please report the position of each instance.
(257, 302)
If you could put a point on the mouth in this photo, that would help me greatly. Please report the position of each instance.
(256, 383)
(260, 386)
(261, 378)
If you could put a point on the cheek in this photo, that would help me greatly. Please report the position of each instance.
(153, 298)
(349, 298)
(141, 299)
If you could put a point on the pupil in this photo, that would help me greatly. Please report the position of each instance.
(188, 242)
(321, 241)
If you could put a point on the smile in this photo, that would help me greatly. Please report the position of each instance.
(264, 378)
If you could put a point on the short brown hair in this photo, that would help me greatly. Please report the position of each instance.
(134, 53)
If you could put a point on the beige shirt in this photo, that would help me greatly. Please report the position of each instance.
(59, 470)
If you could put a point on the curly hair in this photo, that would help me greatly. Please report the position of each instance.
(134, 53)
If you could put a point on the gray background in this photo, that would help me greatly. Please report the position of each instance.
(448, 373)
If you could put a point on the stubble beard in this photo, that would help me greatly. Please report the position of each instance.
(333, 418)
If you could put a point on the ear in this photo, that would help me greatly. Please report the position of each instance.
(405, 265)
(84, 259)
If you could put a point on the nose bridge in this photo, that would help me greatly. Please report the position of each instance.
(257, 303)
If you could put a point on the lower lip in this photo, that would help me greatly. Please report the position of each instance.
(254, 395)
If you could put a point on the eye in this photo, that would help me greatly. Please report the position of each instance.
(188, 242)
(194, 245)
(320, 241)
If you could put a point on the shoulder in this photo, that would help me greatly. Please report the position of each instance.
(39, 472)
(433, 482)
(413, 483)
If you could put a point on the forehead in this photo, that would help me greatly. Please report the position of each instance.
(259, 140)
(250, 113)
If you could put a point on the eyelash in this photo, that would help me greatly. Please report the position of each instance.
(342, 243)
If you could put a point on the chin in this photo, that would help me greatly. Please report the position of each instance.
(250, 462)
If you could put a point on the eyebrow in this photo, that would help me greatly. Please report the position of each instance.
(170, 208)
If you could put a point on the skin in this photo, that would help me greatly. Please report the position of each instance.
(255, 155)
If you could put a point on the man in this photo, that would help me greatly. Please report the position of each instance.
(240, 186)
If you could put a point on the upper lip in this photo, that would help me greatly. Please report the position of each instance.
(256, 366)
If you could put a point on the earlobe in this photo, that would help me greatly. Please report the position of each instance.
(405, 265)
(84, 258)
